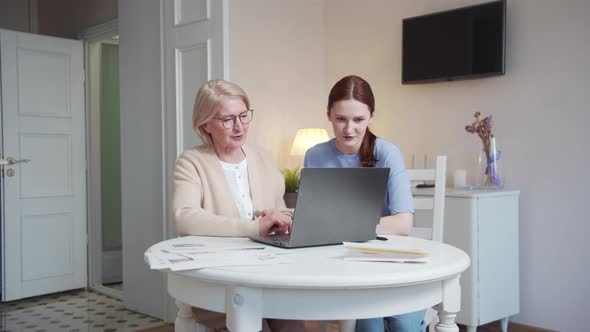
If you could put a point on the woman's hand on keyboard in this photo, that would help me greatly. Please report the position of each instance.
(274, 221)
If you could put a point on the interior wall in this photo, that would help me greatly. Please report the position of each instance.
(58, 18)
(142, 185)
(540, 113)
(539, 107)
(95, 12)
(15, 15)
(277, 55)
(67, 18)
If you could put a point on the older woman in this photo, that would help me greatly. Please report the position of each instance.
(225, 187)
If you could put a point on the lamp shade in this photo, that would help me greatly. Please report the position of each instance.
(306, 138)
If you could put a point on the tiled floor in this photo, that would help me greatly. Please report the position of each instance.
(80, 311)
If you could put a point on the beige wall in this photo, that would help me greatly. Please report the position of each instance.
(287, 59)
(541, 113)
(277, 55)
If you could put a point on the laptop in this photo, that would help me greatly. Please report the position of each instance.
(334, 205)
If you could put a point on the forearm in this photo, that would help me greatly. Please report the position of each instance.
(397, 224)
(196, 221)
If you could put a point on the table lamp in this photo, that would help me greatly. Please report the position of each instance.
(304, 139)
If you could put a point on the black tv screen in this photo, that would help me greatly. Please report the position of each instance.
(462, 43)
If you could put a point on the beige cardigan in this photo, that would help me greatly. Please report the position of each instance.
(202, 203)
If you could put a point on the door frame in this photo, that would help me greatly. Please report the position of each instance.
(93, 38)
(2, 218)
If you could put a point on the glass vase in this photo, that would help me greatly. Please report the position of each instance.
(490, 171)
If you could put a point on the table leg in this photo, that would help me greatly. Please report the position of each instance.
(504, 324)
(450, 306)
(446, 322)
(184, 318)
(243, 309)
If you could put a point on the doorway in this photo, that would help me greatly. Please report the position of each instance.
(104, 156)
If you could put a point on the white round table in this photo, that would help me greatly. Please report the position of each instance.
(320, 285)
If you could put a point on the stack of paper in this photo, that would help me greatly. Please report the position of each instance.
(190, 256)
(384, 252)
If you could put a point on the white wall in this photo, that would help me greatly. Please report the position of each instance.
(540, 108)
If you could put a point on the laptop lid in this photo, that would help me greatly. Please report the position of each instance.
(338, 204)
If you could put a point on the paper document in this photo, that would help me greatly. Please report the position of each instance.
(190, 256)
(155, 262)
(383, 252)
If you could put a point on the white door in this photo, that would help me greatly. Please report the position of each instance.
(194, 53)
(44, 199)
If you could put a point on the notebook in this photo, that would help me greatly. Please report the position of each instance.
(334, 205)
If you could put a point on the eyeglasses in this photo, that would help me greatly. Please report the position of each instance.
(230, 121)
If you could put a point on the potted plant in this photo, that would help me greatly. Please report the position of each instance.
(291, 185)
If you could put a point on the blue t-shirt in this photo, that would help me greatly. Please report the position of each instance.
(399, 194)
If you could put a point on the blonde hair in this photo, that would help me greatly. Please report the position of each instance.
(207, 101)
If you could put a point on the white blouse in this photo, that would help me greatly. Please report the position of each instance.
(237, 178)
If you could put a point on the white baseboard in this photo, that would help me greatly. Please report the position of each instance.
(112, 266)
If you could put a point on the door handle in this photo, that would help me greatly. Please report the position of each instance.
(11, 161)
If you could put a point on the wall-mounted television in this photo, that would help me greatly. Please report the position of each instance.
(467, 42)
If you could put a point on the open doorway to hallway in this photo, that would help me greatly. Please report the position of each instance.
(104, 160)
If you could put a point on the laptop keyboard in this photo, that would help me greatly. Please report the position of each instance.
(281, 238)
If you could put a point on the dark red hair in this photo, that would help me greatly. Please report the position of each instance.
(354, 87)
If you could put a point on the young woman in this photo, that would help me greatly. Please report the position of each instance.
(351, 105)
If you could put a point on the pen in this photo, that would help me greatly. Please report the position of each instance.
(385, 250)
(253, 248)
(175, 253)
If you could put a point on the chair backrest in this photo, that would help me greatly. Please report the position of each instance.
(436, 203)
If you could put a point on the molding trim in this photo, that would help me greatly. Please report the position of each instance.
(512, 327)
(100, 35)
(105, 30)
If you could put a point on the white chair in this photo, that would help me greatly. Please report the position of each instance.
(436, 203)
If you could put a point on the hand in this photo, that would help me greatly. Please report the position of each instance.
(397, 224)
(274, 221)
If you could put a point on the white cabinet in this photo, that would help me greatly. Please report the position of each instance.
(484, 224)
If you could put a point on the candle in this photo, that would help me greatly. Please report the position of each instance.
(460, 178)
